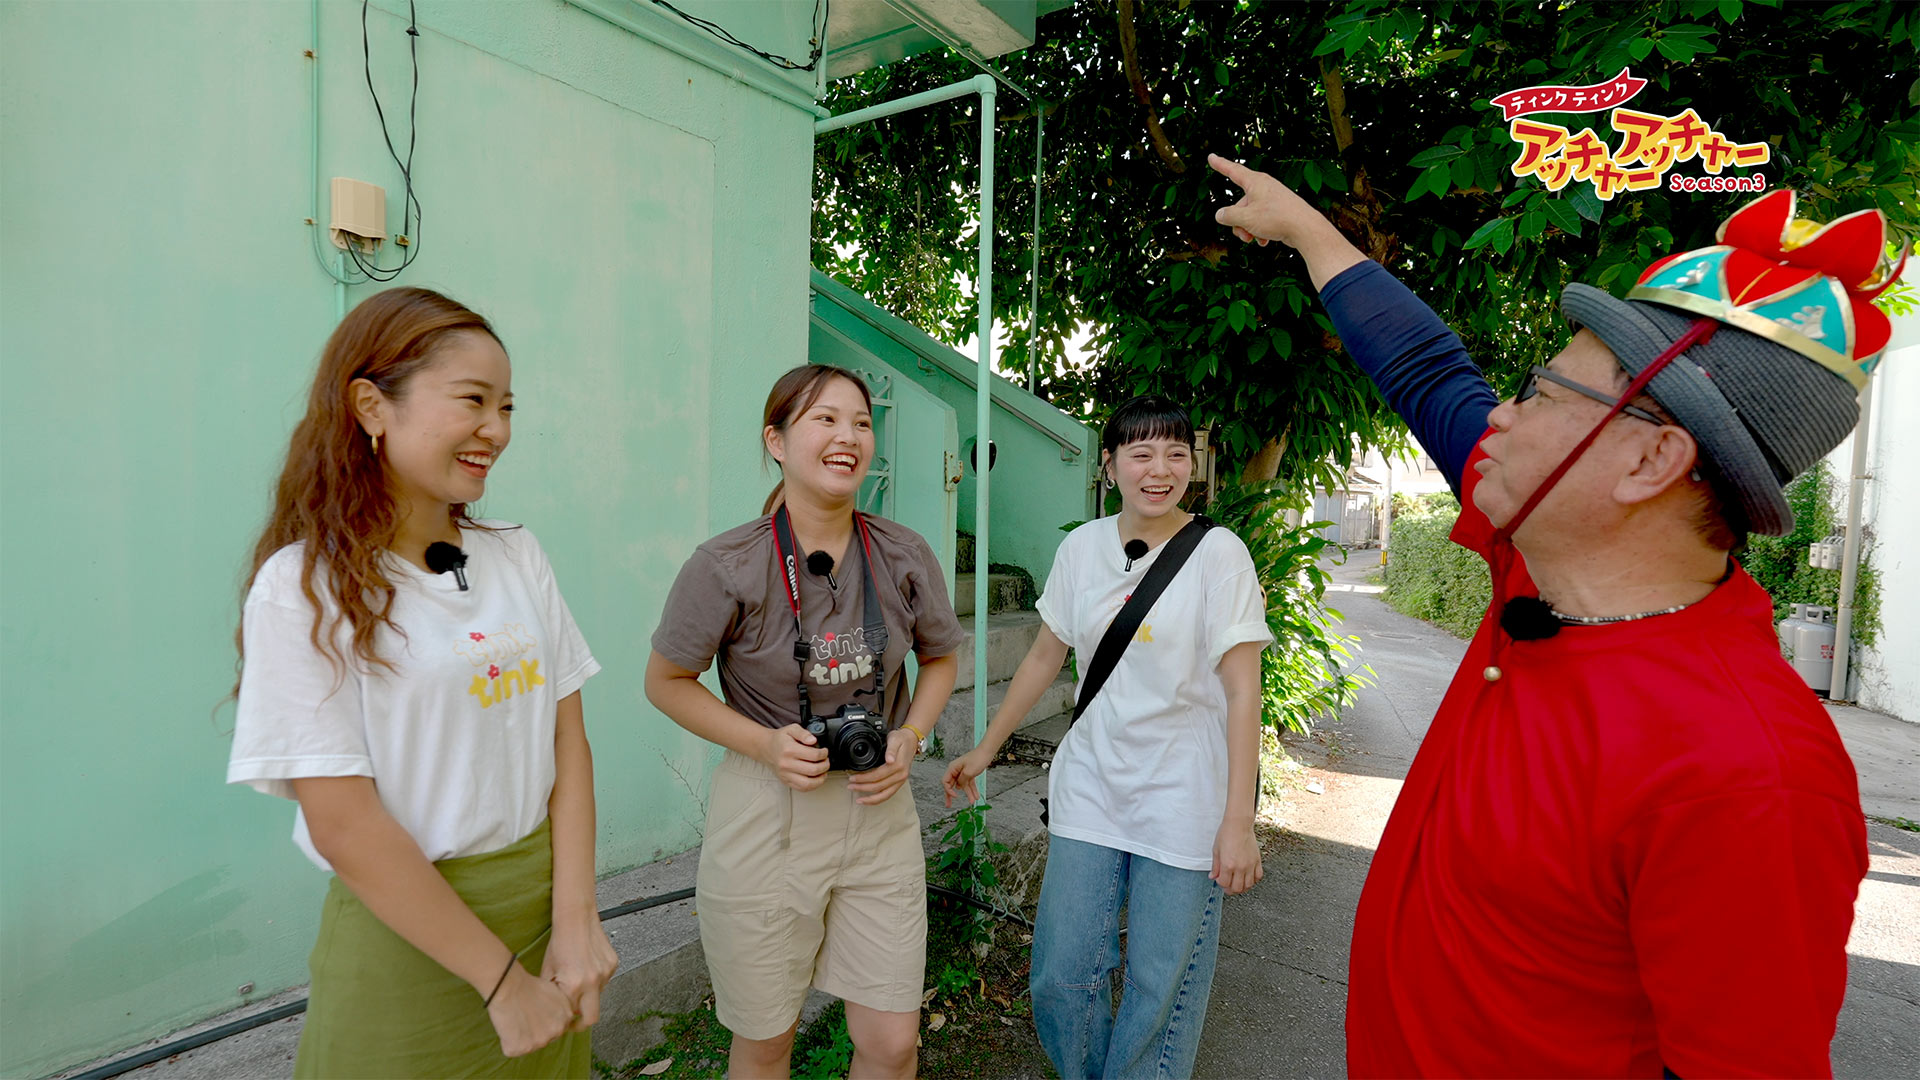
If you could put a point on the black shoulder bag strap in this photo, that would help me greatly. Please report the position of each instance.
(1127, 623)
(1120, 632)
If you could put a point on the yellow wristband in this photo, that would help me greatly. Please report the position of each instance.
(916, 733)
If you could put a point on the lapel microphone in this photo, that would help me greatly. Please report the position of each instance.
(820, 564)
(1135, 549)
(442, 557)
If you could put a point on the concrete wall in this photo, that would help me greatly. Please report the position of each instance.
(1886, 678)
(635, 224)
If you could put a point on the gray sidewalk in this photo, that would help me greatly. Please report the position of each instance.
(1279, 1002)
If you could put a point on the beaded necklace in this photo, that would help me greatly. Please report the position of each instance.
(1603, 620)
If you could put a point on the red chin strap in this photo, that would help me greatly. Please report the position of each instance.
(1502, 551)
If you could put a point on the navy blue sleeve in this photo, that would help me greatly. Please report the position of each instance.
(1419, 365)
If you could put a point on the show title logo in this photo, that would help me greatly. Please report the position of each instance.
(1650, 143)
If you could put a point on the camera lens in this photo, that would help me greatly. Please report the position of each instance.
(863, 746)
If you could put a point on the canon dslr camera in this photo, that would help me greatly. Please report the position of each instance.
(853, 740)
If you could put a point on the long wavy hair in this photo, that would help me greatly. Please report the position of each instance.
(332, 493)
(793, 394)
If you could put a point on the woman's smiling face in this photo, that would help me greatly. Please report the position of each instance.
(450, 423)
(826, 450)
(1151, 474)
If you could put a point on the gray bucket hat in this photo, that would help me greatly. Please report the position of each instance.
(1761, 412)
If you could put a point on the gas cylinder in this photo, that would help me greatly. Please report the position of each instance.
(1813, 649)
(1788, 628)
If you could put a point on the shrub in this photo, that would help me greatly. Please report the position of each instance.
(1429, 576)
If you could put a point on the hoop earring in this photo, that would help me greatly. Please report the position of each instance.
(376, 445)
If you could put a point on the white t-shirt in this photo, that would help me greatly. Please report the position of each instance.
(459, 737)
(1145, 768)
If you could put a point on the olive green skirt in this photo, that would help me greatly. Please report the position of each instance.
(379, 1007)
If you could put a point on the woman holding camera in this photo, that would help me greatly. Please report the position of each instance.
(811, 872)
(1153, 790)
(429, 723)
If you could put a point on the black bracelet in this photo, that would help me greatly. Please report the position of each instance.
(511, 960)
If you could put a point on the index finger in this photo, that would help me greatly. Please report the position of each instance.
(1231, 169)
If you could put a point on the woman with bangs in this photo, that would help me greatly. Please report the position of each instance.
(811, 871)
(427, 722)
(1152, 792)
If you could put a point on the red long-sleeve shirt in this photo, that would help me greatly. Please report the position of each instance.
(1638, 848)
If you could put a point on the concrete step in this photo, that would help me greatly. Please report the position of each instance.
(955, 728)
(1009, 635)
(1038, 740)
(1003, 593)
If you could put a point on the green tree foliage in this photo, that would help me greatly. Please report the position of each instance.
(1377, 111)
(1309, 671)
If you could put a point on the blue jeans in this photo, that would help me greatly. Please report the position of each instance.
(1173, 938)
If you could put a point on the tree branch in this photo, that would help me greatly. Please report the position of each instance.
(1130, 52)
(1336, 106)
(1360, 217)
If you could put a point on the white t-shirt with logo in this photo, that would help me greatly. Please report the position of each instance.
(1144, 770)
(458, 738)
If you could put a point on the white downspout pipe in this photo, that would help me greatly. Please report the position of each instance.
(984, 86)
(1850, 553)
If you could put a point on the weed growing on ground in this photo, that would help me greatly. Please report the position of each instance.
(823, 1050)
(965, 864)
(1896, 822)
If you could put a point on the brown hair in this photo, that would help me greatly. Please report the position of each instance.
(332, 493)
(793, 394)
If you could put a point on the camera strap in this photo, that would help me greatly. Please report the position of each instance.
(787, 556)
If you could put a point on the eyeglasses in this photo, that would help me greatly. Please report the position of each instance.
(1531, 386)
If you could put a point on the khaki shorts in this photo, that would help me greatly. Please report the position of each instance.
(808, 888)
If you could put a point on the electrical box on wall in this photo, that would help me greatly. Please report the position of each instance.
(359, 215)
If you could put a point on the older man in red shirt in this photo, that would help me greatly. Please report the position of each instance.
(1631, 840)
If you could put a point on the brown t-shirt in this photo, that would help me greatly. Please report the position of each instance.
(730, 603)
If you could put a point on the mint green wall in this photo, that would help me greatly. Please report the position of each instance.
(1036, 487)
(636, 226)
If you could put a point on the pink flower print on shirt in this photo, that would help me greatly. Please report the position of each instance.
(493, 671)
(476, 636)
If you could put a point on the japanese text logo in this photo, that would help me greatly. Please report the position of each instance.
(1649, 146)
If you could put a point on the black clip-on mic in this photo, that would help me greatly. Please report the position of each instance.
(1135, 549)
(442, 557)
(820, 564)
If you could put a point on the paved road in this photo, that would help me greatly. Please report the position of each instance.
(1279, 1001)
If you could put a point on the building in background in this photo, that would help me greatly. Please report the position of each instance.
(623, 194)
